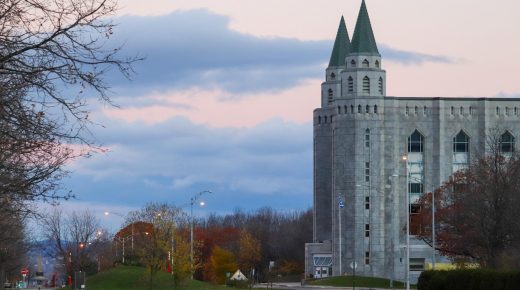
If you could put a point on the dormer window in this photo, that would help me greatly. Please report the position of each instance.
(365, 63)
(353, 63)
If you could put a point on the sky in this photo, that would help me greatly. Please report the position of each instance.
(223, 100)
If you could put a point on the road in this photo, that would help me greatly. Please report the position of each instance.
(298, 286)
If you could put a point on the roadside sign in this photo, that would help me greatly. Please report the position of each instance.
(353, 265)
(341, 204)
(24, 271)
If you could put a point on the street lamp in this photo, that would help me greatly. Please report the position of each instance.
(192, 201)
(107, 213)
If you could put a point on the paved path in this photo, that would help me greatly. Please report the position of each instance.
(298, 286)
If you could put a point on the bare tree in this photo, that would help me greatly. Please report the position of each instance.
(76, 239)
(54, 55)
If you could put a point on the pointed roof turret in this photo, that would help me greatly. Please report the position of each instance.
(363, 40)
(341, 46)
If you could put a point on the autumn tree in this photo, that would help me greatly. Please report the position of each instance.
(163, 241)
(477, 208)
(249, 255)
(222, 262)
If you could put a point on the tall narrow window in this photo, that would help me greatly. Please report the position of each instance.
(352, 109)
(460, 151)
(415, 166)
(365, 63)
(498, 110)
(507, 111)
(330, 93)
(375, 109)
(350, 85)
(367, 138)
(452, 110)
(461, 111)
(366, 85)
(319, 119)
(367, 202)
(470, 110)
(325, 120)
(359, 109)
(367, 230)
(345, 110)
(416, 110)
(367, 258)
(507, 143)
(415, 142)
(367, 109)
(516, 111)
(377, 63)
(425, 110)
(407, 110)
(380, 85)
(332, 76)
(353, 63)
(367, 171)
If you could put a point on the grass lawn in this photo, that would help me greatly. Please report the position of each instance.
(137, 278)
(348, 281)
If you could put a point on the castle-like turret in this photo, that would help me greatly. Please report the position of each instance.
(363, 75)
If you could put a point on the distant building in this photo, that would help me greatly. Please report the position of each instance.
(361, 179)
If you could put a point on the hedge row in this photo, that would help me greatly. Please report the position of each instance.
(469, 280)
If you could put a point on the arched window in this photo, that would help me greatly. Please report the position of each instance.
(366, 85)
(380, 85)
(461, 143)
(325, 120)
(339, 110)
(416, 142)
(461, 110)
(367, 109)
(375, 109)
(332, 76)
(470, 111)
(352, 109)
(377, 63)
(452, 110)
(350, 84)
(416, 110)
(345, 111)
(507, 143)
(331, 118)
(353, 63)
(460, 151)
(365, 63)
(498, 111)
(359, 109)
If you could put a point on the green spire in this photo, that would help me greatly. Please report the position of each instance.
(363, 40)
(341, 46)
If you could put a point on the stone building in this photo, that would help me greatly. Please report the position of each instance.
(372, 150)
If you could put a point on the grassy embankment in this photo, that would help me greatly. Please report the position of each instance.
(137, 278)
(366, 282)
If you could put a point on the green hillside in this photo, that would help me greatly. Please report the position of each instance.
(348, 281)
(137, 278)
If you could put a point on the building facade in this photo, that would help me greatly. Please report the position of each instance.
(373, 152)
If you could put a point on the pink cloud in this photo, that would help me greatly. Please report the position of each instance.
(218, 108)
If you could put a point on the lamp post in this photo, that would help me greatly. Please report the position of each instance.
(405, 158)
(192, 201)
(341, 205)
(107, 213)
